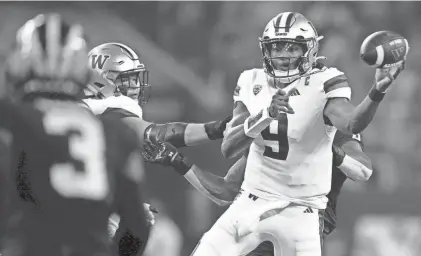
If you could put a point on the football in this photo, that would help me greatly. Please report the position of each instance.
(384, 49)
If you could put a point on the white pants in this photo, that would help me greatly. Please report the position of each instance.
(293, 229)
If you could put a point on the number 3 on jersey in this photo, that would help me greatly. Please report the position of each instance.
(87, 146)
(276, 139)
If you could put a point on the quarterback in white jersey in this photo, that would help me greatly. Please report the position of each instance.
(289, 159)
(287, 113)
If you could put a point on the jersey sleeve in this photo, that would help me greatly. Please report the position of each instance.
(240, 92)
(341, 138)
(335, 84)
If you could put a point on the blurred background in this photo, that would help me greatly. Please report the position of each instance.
(195, 52)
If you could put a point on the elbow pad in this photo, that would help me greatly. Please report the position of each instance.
(172, 133)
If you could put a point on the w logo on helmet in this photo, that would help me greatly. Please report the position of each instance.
(99, 60)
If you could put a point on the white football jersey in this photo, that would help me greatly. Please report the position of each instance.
(99, 106)
(292, 158)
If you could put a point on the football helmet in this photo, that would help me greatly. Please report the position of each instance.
(288, 30)
(46, 58)
(117, 69)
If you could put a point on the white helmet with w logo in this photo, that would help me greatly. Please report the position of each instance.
(117, 69)
(289, 28)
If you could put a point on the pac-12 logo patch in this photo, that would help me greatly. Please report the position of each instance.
(257, 88)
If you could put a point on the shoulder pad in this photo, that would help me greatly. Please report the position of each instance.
(242, 84)
(327, 73)
(246, 77)
(121, 102)
(118, 113)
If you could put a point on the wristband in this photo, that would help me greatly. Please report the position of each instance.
(180, 164)
(213, 131)
(254, 125)
(375, 95)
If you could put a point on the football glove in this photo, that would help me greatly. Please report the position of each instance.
(166, 154)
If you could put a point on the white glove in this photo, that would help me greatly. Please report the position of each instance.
(150, 217)
(113, 222)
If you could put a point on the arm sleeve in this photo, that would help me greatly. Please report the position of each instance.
(336, 84)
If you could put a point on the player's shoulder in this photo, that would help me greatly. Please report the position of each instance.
(120, 105)
(115, 127)
(249, 79)
(325, 73)
(329, 78)
(249, 76)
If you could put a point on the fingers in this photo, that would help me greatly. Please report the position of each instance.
(398, 69)
(150, 152)
(282, 106)
(148, 157)
(280, 103)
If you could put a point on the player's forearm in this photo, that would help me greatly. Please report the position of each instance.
(184, 134)
(355, 165)
(212, 186)
(365, 111)
(362, 116)
(196, 134)
(235, 142)
(355, 170)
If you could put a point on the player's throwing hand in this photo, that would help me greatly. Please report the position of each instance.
(279, 105)
(385, 76)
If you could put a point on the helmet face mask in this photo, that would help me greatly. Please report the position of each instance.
(289, 47)
(134, 84)
(118, 70)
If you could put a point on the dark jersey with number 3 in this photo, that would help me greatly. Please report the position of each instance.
(71, 171)
(126, 243)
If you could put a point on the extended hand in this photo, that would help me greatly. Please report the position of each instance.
(167, 155)
(159, 153)
(385, 76)
(280, 105)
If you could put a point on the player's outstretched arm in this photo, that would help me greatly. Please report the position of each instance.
(352, 161)
(186, 134)
(348, 118)
(177, 133)
(221, 190)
